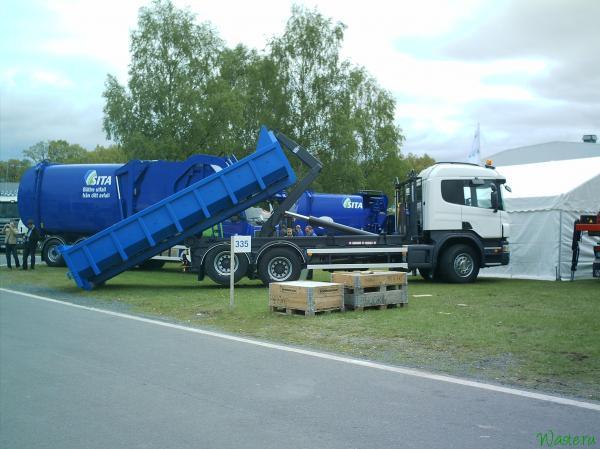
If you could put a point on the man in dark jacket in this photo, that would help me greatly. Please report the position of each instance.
(31, 240)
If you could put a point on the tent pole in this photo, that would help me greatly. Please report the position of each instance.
(560, 220)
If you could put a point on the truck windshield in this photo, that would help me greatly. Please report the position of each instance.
(461, 191)
(9, 210)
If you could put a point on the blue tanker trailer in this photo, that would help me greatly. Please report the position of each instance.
(71, 202)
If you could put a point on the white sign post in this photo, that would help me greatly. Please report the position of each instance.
(239, 244)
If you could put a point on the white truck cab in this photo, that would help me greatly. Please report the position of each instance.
(9, 212)
(453, 214)
(459, 197)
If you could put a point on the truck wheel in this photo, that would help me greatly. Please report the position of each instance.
(217, 266)
(278, 265)
(152, 264)
(459, 264)
(426, 274)
(50, 253)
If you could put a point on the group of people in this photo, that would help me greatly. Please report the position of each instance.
(308, 231)
(32, 237)
(297, 231)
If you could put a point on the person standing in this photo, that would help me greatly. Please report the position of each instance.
(298, 231)
(10, 233)
(31, 240)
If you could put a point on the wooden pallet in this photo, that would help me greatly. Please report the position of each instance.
(288, 311)
(380, 307)
(384, 295)
(373, 289)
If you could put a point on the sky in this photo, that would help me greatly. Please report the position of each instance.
(527, 71)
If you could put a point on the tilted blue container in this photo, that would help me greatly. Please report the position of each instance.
(183, 214)
(77, 200)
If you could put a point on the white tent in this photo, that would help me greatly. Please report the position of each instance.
(545, 201)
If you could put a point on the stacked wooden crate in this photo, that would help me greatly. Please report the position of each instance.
(373, 288)
(306, 297)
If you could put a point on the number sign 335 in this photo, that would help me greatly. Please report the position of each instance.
(241, 243)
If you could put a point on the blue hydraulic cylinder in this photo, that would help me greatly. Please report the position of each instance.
(183, 214)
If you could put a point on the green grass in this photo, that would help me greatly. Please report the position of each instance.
(540, 335)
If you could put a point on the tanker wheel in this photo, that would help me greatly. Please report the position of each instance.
(217, 266)
(279, 265)
(459, 264)
(50, 253)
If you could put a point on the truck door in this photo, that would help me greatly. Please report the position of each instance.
(478, 213)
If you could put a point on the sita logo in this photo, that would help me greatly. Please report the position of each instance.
(91, 178)
(349, 204)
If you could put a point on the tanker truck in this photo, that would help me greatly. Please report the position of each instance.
(71, 202)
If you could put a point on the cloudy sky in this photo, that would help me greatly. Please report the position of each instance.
(528, 71)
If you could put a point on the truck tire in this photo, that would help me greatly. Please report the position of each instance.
(217, 266)
(152, 264)
(426, 274)
(50, 253)
(279, 265)
(459, 264)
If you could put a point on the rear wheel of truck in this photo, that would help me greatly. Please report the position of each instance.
(459, 264)
(50, 253)
(279, 265)
(217, 265)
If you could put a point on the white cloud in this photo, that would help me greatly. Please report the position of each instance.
(8, 77)
(93, 30)
(46, 78)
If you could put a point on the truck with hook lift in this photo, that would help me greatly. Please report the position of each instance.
(449, 223)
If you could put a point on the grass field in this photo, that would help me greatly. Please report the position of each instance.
(539, 335)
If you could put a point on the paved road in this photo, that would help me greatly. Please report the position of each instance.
(74, 378)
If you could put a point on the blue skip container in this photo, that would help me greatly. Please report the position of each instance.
(186, 213)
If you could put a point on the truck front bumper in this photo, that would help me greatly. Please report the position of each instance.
(497, 255)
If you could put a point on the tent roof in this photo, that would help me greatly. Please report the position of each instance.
(544, 152)
(567, 184)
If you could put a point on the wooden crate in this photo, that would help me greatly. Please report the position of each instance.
(367, 279)
(308, 297)
(380, 289)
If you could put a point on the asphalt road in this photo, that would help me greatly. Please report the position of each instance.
(75, 378)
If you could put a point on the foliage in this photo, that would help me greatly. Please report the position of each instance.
(37, 152)
(55, 151)
(188, 93)
(165, 112)
(12, 169)
(337, 110)
(112, 154)
(63, 152)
